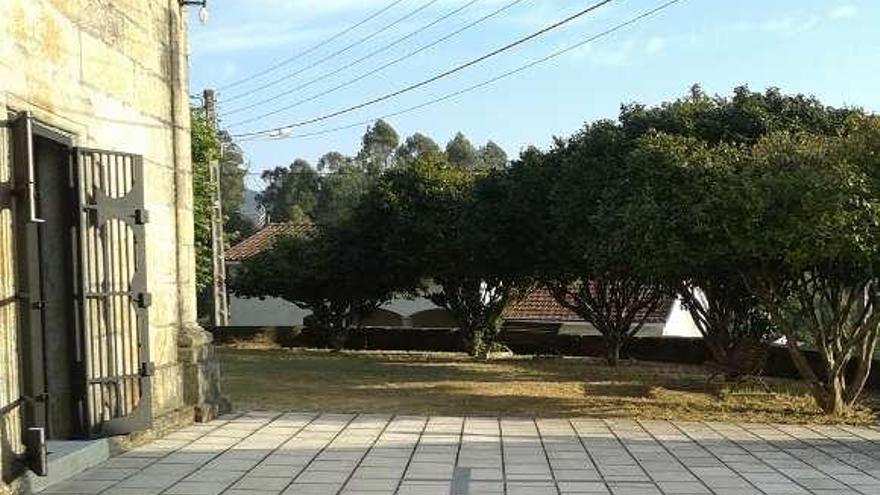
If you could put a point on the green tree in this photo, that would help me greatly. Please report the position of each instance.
(461, 153)
(378, 146)
(492, 156)
(414, 147)
(232, 173)
(290, 192)
(336, 273)
(341, 193)
(436, 223)
(333, 161)
(810, 218)
(686, 175)
(588, 264)
(679, 213)
(205, 148)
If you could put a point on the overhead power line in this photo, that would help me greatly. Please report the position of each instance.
(333, 55)
(351, 64)
(302, 54)
(437, 77)
(474, 87)
(383, 67)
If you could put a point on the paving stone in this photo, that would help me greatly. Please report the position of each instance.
(330, 454)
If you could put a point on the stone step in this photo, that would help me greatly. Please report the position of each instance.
(69, 458)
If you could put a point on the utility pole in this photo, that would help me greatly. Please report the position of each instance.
(220, 303)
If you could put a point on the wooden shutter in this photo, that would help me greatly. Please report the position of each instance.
(112, 341)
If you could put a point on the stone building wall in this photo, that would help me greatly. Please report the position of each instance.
(114, 75)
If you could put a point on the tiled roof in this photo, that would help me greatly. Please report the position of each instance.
(263, 239)
(541, 306)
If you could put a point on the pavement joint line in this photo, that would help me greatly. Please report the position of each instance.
(452, 487)
(815, 430)
(322, 449)
(683, 464)
(303, 427)
(411, 455)
(503, 456)
(854, 431)
(587, 450)
(738, 445)
(824, 452)
(227, 449)
(546, 456)
(388, 423)
(623, 444)
(157, 459)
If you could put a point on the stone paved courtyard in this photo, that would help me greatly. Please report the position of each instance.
(309, 454)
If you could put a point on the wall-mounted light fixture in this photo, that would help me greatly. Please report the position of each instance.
(203, 8)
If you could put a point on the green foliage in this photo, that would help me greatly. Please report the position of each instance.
(492, 156)
(378, 146)
(461, 153)
(205, 149)
(415, 147)
(291, 191)
(437, 224)
(336, 273)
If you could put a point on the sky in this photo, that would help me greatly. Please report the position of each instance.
(826, 48)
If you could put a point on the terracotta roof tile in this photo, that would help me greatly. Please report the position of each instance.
(541, 306)
(263, 239)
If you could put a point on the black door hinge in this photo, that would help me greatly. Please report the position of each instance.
(144, 300)
(141, 216)
(148, 369)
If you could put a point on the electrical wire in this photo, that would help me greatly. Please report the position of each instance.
(298, 56)
(331, 56)
(267, 137)
(381, 68)
(437, 77)
(351, 64)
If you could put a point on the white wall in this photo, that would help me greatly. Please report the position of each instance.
(250, 312)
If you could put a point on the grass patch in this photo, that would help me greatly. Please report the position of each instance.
(455, 385)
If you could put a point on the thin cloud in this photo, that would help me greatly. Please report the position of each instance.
(655, 45)
(843, 11)
(789, 25)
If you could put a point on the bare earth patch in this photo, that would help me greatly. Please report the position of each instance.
(445, 384)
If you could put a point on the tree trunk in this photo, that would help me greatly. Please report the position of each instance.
(830, 397)
(612, 351)
(474, 344)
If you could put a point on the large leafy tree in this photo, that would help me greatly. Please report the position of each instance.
(810, 218)
(336, 272)
(685, 172)
(378, 146)
(461, 153)
(678, 211)
(492, 156)
(414, 147)
(588, 256)
(437, 221)
(291, 193)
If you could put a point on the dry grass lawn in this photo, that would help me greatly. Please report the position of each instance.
(455, 385)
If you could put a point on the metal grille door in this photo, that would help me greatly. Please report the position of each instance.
(112, 344)
(11, 403)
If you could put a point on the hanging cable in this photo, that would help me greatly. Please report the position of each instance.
(442, 75)
(298, 56)
(333, 55)
(381, 68)
(279, 132)
(350, 64)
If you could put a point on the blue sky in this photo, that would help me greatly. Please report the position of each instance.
(829, 48)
